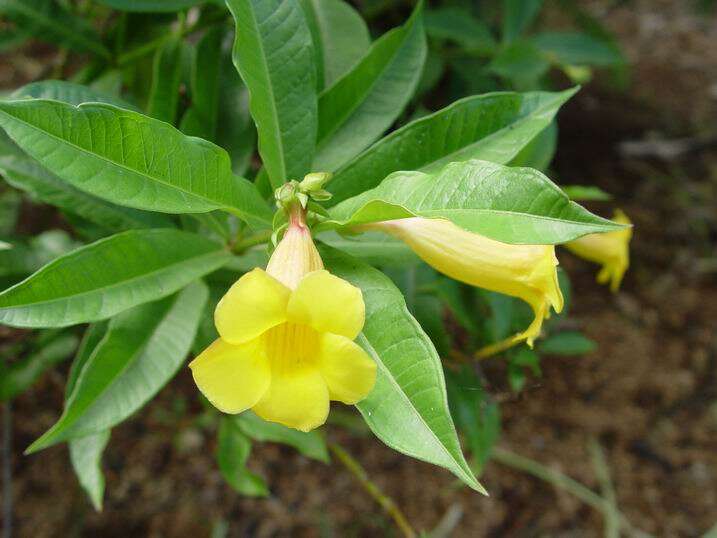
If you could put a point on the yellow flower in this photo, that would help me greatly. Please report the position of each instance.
(286, 340)
(611, 250)
(524, 271)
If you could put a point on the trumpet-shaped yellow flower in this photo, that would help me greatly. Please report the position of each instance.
(611, 250)
(286, 343)
(524, 271)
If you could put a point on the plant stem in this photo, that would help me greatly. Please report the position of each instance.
(7, 470)
(612, 515)
(386, 502)
(559, 480)
(498, 347)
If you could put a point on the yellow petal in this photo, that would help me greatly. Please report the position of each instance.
(297, 398)
(256, 302)
(348, 370)
(233, 378)
(328, 304)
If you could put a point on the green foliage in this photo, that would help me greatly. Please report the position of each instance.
(160, 156)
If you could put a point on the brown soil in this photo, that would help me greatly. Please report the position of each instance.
(648, 395)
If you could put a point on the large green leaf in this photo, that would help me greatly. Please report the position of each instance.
(233, 449)
(20, 375)
(492, 127)
(49, 21)
(130, 159)
(141, 351)
(367, 100)
(274, 53)
(310, 444)
(25, 174)
(166, 78)
(86, 458)
(374, 248)
(408, 407)
(513, 205)
(340, 35)
(69, 92)
(104, 278)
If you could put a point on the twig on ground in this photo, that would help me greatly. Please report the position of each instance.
(559, 480)
(386, 502)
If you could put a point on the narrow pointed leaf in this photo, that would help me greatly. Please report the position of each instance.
(361, 105)
(25, 174)
(408, 407)
(130, 159)
(141, 351)
(86, 459)
(492, 127)
(233, 450)
(513, 205)
(274, 54)
(340, 36)
(104, 278)
(166, 78)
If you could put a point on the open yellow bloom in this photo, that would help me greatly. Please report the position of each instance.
(611, 250)
(286, 340)
(524, 271)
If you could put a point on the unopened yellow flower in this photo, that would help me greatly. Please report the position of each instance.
(524, 271)
(286, 341)
(610, 249)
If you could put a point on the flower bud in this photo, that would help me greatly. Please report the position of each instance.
(524, 271)
(610, 249)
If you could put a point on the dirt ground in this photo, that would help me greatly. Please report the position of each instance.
(647, 395)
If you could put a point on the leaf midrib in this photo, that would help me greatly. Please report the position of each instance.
(104, 288)
(400, 391)
(97, 156)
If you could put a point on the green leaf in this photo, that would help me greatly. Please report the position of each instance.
(141, 351)
(310, 444)
(513, 205)
(20, 375)
(151, 6)
(460, 26)
(274, 54)
(408, 407)
(367, 100)
(69, 92)
(130, 159)
(104, 278)
(428, 311)
(567, 343)
(576, 48)
(539, 152)
(201, 118)
(586, 192)
(522, 359)
(340, 37)
(24, 174)
(9, 211)
(86, 458)
(49, 21)
(92, 337)
(166, 77)
(517, 16)
(232, 454)
(492, 127)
